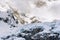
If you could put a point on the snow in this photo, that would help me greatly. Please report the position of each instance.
(48, 15)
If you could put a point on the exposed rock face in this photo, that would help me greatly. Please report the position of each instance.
(40, 3)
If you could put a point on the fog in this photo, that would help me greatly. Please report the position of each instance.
(49, 12)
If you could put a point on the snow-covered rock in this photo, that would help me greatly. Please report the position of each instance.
(16, 25)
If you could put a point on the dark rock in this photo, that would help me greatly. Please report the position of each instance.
(19, 35)
(1, 18)
(36, 30)
(27, 37)
(7, 37)
(6, 20)
(13, 25)
(13, 17)
(26, 31)
(16, 22)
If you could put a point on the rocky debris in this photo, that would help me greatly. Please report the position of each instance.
(6, 20)
(35, 31)
(45, 36)
(40, 3)
(35, 20)
(1, 18)
(40, 33)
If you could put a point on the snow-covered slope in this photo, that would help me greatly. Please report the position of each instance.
(11, 30)
(23, 20)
